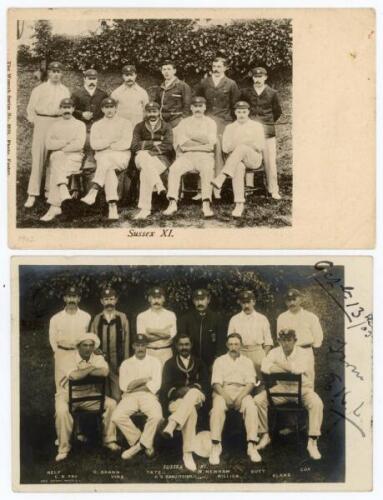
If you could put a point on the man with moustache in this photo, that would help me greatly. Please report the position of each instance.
(112, 328)
(221, 94)
(65, 139)
(194, 141)
(84, 362)
(153, 148)
(306, 324)
(204, 327)
(254, 329)
(130, 97)
(140, 380)
(185, 386)
(42, 111)
(64, 328)
(244, 141)
(110, 138)
(158, 325)
(266, 109)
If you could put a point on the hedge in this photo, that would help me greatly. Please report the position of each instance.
(148, 42)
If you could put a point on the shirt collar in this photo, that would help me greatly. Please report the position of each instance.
(257, 91)
(79, 358)
(170, 84)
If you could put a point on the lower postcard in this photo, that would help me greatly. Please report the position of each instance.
(192, 373)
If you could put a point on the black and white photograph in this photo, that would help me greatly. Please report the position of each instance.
(191, 372)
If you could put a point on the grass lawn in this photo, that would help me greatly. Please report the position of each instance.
(261, 210)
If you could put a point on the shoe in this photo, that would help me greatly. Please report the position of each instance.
(133, 450)
(113, 212)
(218, 181)
(253, 453)
(142, 214)
(149, 452)
(51, 214)
(312, 448)
(189, 462)
(56, 442)
(197, 197)
(215, 454)
(113, 446)
(265, 441)
(61, 456)
(30, 201)
(90, 198)
(276, 196)
(238, 210)
(172, 208)
(206, 209)
(82, 438)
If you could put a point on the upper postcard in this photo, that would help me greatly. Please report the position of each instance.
(160, 128)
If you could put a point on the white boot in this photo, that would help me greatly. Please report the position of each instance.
(90, 198)
(113, 212)
(275, 195)
(51, 214)
(253, 453)
(133, 450)
(312, 448)
(189, 462)
(238, 210)
(206, 209)
(61, 456)
(142, 214)
(30, 201)
(172, 208)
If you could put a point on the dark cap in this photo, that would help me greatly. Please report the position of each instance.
(246, 295)
(156, 291)
(198, 100)
(91, 73)
(72, 290)
(129, 69)
(242, 105)
(259, 71)
(67, 101)
(55, 65)
(201, 293)
(108, 102)
(293, 293)
(140, 339)
(108, 292)
(150, 106)
(287, 334)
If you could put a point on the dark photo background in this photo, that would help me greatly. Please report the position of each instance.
(41, 289)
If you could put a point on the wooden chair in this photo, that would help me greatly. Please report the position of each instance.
(293, 407)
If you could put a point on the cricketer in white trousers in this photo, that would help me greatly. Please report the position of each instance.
(299, 361)
(270, 162)
(45, 100)
(110, 138)
(240, 140)
(184, 413)
(151, 169)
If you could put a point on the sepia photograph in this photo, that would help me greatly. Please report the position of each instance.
(158, 373)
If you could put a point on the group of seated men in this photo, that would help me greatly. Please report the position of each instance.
(174, 130)
(178, 367)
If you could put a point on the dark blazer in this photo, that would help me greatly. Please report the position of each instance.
(264, 108)
(83, 101)
(174, 101)
(144, 138)
(220, 100)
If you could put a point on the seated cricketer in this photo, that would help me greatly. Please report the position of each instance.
(65, 140)
(185, 385)
(194, 141)
(244, 141)
(110, 138)
(289, 358)
(153, 146)
(140, 380)
(83, 363)
(233, 379)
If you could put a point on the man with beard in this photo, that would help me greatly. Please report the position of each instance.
(64, 328)
(140, 380)
(244, 141)
(221, 93)
(153, 146)
(185, 386)
(290, 358)
(130, 97)
(233, 379)
(266, 109)
(84, 362)
(158, 325)
(194, 140)
(254, 329)
(307, 327)
(65, 139)
(110, 138)
(42, 111)
(112, 328)
(204, 327)
(173, 96)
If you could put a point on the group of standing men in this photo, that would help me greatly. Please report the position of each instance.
(173, 129)
(180, 365)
